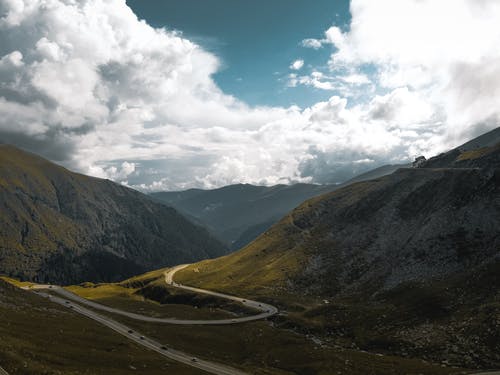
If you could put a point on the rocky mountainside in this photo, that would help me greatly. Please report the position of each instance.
(238, 214)
(412, 259)
(481, 152)
(64, 227)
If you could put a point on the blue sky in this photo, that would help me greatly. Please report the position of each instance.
(255, 40)
(88, 85)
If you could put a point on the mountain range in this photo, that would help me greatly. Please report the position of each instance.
(238, 214)
(408, 262)
(63, 227)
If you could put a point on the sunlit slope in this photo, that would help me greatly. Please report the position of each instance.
(407, 264)
(413, 225)
(64, 227)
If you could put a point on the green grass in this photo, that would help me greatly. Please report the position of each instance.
(128, 299)
(16, 282)
(476, 154)
(40, 337)
(148, 294)
(144, 279)
(260, 347)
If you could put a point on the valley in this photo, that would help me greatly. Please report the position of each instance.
(396, 274)
(218, 210)
(270, 350)
(249, 187)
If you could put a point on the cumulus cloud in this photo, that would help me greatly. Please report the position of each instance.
(349, 84)
(312, 43)
(88, 84)
(331, 36)
(315, 79)
(444, 51)
(297, 65)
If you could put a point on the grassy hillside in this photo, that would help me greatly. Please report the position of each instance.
(407, 263)
(39, 337)
(64, 227)
(412, 225)
(261, 348)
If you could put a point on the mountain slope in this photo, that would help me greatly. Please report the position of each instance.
(410, 261)
(237, 214)
(411, 225)
(481, 152)
(375, 173)
(414, 223)
(41, 337)
(64, 227)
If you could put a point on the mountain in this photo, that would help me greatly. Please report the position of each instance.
(64, 227)
(374, 173)
(237, 214)
(411, 260)
(481, 152)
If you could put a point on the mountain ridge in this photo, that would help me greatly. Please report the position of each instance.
(220, 210)
(408, 263)
(65, 227)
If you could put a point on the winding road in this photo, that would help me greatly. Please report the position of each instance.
(265, 311)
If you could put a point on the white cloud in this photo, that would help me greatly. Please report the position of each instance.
(297, 65)
(356, 79)
(312, 43)
(13, 59)
(332, 36)
(87, 83)
(113, 172)
(316, 79)
(445, 51)
(339, 82)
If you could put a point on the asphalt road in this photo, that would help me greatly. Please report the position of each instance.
(265, 310)
(3, 372)
(68, 299)
(188, 359)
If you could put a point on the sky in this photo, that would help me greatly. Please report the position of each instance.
(255, 41)
(178, 94)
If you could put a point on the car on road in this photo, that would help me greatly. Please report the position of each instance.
(244, 301)
(142, 338)
(233, 320)
(194, 359)
(130, 331)
(164, 348)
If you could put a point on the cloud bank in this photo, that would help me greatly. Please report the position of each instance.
(87, 84)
